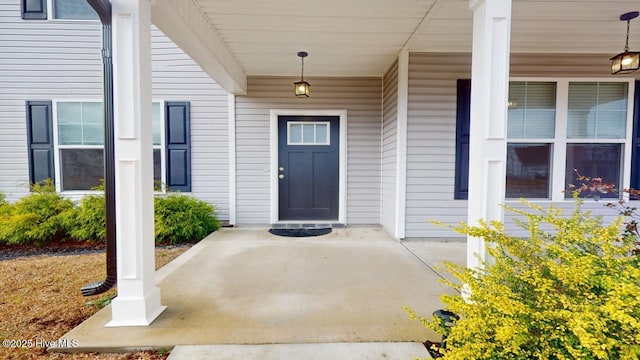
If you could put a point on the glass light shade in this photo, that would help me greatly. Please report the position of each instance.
(625, 62)
(301, 88)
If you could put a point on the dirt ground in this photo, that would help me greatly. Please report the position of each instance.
(40, 301)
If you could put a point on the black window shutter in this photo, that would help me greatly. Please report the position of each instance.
(34, 9)
(635, 147)
(40, 141)
(463, 116)
(178, 145)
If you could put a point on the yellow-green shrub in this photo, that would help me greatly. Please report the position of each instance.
(36, 219)
(87, 221)
(4, 205)
(570, 290)
(182, 218)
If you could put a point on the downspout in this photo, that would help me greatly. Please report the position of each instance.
(103, 9)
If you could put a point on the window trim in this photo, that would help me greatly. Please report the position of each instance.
(57, 159)
(559, 141)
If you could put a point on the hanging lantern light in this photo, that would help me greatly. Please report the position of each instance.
(627, 61)
(301, 87)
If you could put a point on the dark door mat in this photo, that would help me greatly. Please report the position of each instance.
(300, 232)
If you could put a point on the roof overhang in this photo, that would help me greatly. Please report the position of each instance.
(186, 25)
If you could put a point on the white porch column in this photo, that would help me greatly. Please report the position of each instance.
(488, 128)
(138, 300)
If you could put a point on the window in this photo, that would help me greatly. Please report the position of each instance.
(554, 127)
(59, 9)
(80, 143)
(307, 133)
(65, 143)
(73, 10)
(530, 129)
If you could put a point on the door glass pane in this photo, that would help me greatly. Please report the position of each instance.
(73, 10)
(594, 160)
(295, 133)
(528, 170)
(532, 110)
(321, 134)
(308, 133)
(81, 169)
(597, 110)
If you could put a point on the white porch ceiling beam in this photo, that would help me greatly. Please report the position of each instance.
(488, 125)
(184, 22)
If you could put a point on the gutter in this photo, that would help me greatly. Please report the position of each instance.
(103, 9)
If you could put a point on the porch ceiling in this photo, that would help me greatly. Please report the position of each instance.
(363, 37)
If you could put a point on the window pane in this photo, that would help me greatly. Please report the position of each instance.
(528, 169)
(92, 123)
(321, 134)
(74, 10)
(308, 135)
(81, 169)
(532, 110)
(155, 119)
(157, 174)
(80, 123)
(69, 123)
(295, 134)
(597, 110)
(594, 160)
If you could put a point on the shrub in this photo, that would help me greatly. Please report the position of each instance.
(4, 205)
(36, 219)
(88, 220)
(568, 291)
(44, 216)
(182, 218)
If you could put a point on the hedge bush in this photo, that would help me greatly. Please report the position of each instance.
(567, 291)
(44, 216)
(36, 218)
(87, 221)
(182, 218)
(4, 205)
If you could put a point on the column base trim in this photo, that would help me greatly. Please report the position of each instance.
(136, 311)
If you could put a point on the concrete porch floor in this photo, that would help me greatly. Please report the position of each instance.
(246, 286)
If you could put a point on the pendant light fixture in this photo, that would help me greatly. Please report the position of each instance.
(627, 61)
(301, 87)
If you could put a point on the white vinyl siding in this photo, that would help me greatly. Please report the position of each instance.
(361, 97)
(431, 136)
(389, 147)
(45, 60)
(432, 130)
(176, 77)
(39, 60)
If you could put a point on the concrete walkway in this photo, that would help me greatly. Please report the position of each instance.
(246, 286)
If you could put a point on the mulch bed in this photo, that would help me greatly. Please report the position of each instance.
(8, 252)
(40, 296)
